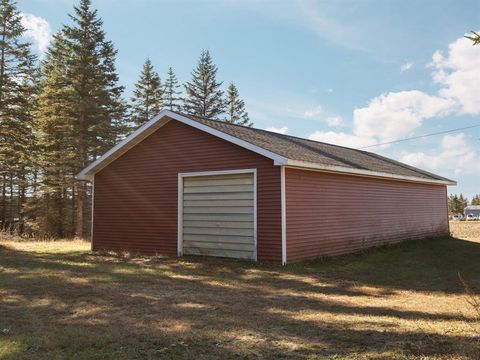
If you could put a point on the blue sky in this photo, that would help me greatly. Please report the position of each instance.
(349, 72)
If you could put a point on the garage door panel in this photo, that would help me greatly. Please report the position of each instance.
(218, 238)
(199, 181)
(221, 203)
(220, 253)
(215, 177)
(214, 245)
(219, 210)
(219, 224)
(245, 195)
(217, 189)
(218, 215)
(217, 231)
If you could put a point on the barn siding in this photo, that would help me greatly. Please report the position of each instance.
(135, 207)
(331, 214)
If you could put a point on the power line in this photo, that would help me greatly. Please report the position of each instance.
(420, 136)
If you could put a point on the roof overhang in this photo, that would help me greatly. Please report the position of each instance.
(154, 124)
(368, 173)
(164, 116)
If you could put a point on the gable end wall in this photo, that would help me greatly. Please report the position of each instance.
(135, 206)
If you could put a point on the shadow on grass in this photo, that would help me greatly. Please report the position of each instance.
(63, 305)
(426, 265)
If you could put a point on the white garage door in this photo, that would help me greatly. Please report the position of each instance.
(219, 215)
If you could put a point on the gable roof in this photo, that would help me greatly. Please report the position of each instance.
(282, 149)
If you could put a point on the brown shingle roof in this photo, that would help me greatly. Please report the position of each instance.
(300, 149)
(283, 149)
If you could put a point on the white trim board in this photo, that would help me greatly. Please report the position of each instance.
(303, 165)
(92, 213)
(283, 201)
(181, 176)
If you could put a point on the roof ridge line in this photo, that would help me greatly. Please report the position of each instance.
(270, 132)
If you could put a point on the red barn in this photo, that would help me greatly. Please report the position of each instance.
(187, 185)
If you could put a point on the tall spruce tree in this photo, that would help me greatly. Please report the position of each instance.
(235, 108)
(171, 95)
(203, 95)
(80, 115)
(17, 90)
(147, 96)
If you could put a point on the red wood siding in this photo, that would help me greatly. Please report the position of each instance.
(136, 195)
(330, 214)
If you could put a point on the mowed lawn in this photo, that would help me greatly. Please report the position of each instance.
(60, 301)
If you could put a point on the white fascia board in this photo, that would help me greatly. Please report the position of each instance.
(360, 172)
(283, 202)
(154, 124)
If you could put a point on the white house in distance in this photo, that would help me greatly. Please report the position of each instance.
(473, 210)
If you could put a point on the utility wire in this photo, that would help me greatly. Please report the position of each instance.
(420, 136)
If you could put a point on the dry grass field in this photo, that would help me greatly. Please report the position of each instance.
(467, 230)
(60, 301)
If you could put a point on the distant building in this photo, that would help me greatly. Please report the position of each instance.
(473, 210)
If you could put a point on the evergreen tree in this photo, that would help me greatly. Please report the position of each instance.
(235, 108)
(80, 115)
(147, 96)
(462, 203)
(171, 94)
(203, 95)
(457, 204)
(476, 200)
(17, 92)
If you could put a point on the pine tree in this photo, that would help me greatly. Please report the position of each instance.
(17, 91)
(476, 200)
(235, 108)
(147, 96)
(80, 115)
(456, 204)
(203, 95)
(462, 203)
(171, 96)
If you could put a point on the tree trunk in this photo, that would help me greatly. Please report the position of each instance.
(80, 208)
(3, 213)
(79, 186)
(11, 216)
(21, 203)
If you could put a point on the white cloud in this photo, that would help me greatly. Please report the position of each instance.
(38, 29)
(329, 90)
(458, 74)
(313, 113)
(335, 121)
(282, 130)
(317, 113)
(405, 67)
(341, 138)
(454, 155)
(397, 114)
